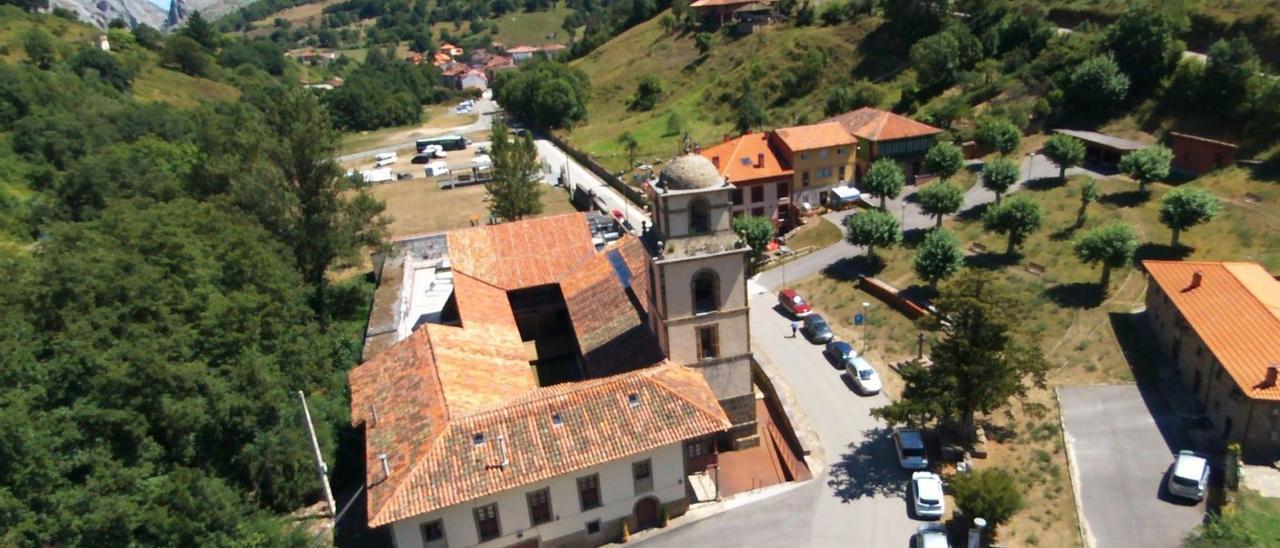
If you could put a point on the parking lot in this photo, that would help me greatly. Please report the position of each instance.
(1122, 440)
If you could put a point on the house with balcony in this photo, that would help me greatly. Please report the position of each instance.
(883, 134)
(821, 157)
(760, 176)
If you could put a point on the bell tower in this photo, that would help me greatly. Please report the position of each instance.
(699, 277)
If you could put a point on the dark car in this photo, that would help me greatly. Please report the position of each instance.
(816, 329)
(422, 158)
(840, 351)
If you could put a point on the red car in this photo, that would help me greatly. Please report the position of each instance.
(794, 303)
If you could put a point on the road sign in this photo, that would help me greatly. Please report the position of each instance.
(857, 319)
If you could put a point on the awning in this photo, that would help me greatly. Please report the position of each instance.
(846, 193)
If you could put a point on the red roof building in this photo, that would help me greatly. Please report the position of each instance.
(760, 175)
(883, 134)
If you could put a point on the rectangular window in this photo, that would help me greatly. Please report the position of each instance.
(737, 196)
(593, 527)
(708, 342)
(433, 534)
(539, 506)
(643, 475)
(696, 449)
(784, 190)
(822, 154)
(839, 151)
(842, 172)
(824, 172)
(757, 193)
(487, 522)
(804, 155)
(804, 179)
(589, 492)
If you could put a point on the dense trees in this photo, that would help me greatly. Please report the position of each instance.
(1185, 207)
(1112, 246)
(546, 94)
(1065, 151)
(872, 229)
(105, 65)
(514, 193)
(844, 98)
(1096, 87)
(38, 45)
(1144, 40)
(940, 57)
(383, 92)
(984, 359)
(991, 494)
(883, 180)
(1147, 165)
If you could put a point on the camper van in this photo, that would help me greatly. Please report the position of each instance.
(385, 159)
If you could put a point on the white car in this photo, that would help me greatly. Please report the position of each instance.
(909, 443)
(932, 535)
(1189, 477)
(926, 495)
(864, 377)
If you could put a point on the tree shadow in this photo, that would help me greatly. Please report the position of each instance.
(695, 64)
(920, 293)
(1076, 295)
(868, 469)
(1043, 183)
(851, 268)
(1065, 233)
(998, 433)
(974, 213)
(913, 237)
(990, 260)
(1126, 198)
(1159, 252)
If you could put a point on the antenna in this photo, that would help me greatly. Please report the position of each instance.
(321, 469)
(373, 410)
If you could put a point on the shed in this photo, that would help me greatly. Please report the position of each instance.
(1102, 149)
(1195, 155)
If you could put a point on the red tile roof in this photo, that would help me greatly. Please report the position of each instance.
(874, 124)
(432, 392)
(814, 136)
(1236, 312)
(739, 159)
(714, 3)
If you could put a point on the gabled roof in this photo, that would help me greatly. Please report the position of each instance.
(1102, 139)
(714, 3)
(524, 254)
(874, 124)
(740, 159)
(1235, 310)
(814, 136)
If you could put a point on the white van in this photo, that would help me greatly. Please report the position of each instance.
(436, 169)
(384, 159)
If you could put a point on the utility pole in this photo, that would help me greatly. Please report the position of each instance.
(320, 467)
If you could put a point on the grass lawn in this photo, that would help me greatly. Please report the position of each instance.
(1259, 514)
(532, 28)
(1085, 337)
(68, 35)
(298, 15)
(817, 234)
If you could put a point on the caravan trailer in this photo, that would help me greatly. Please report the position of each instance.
(384, 159)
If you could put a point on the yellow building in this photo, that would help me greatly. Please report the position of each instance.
(821, 157)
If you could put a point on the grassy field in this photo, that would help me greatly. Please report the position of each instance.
(14, 23)
(699, 88)
(817, 234)
(306, 14)
(1086, 338)
(168, 86)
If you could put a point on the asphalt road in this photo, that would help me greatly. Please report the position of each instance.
(1122, 440)
(608, 199)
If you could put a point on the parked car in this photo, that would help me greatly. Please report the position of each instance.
(932, 535)
(864, 376)
(1189, 476)
(816, 329)
(926, 495)
(909, 443)
(840, 352)
(795, 304)
(423, 158)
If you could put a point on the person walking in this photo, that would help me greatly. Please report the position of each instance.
(795, 326)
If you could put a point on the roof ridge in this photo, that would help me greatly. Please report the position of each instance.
(679, 394)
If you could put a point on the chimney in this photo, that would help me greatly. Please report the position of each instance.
(715, 161)
(759, 160)
(1196, 278)
(386, 468)
(1272, 371)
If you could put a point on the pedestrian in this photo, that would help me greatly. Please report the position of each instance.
(795, 326)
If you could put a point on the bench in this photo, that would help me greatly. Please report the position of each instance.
(976, 247)
(1036, 269)
(1252, 198)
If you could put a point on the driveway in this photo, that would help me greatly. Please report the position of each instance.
(858, 500)
(1121, 440)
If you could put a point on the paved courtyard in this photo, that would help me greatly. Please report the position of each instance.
(1122, 439)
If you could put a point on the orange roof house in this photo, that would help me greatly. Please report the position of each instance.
(456, 408)
(747, 159)
(874, 124)
(1234, 308)
(814, 136)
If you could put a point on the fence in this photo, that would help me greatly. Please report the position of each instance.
(628, 192)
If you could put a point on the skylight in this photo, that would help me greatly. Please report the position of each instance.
(620, 268)
(478, 439)
(556, 420)
(745, 161)
(633, 399)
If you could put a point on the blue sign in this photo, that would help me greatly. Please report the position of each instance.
(857, 319)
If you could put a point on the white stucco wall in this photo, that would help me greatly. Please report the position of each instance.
(617, 497)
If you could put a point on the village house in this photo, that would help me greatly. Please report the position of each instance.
(714, 13)
(883, 134)
(1196, 155)
(1220, 324)
(521, 54)
(760, 176)
(1101, 150)
(473, 79)
(451, 50)
(821, 157)
(316, 57)
(546, 381)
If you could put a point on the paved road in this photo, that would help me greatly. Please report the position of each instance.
(485, 107)
(1122, 440)
(579, 176)
(857, 501)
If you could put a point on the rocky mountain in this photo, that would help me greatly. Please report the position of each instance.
(136, 12)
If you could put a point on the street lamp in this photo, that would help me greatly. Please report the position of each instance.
(866, 318)
(1031, 164)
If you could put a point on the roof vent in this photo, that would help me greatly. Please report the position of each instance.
(386, 467)
(478, 439)
(633, 399)
(1273, 371)
(556, 420)
(1196, 278)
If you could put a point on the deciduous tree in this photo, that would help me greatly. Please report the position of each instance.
(873, 229)
(1065, 151)
(944, 160)
(884, 180)
(1016, 218)
(939, 257)
(983, 360)
(1112, 246)
(1145, 41)
(38, 44)
(1088, 195)
(630, 145)
(939, 199)
(991, 494)
(756, 232)
(1185, 207)
(1096, 87)
(999, 175)
(1147, 165)
(514, 193)
(999, 134)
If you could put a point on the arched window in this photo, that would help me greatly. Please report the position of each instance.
(699, 216)
(706, 291)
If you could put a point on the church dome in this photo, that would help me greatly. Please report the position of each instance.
(690, 172)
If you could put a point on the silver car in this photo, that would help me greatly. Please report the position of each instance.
(1189, 476)
(926, 495)
(932, 535)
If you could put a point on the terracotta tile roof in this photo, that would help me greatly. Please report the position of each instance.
(874, 124)
(740, 159)
(524, 254)
(714, 3)
(814, 136)
(1235, 311)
